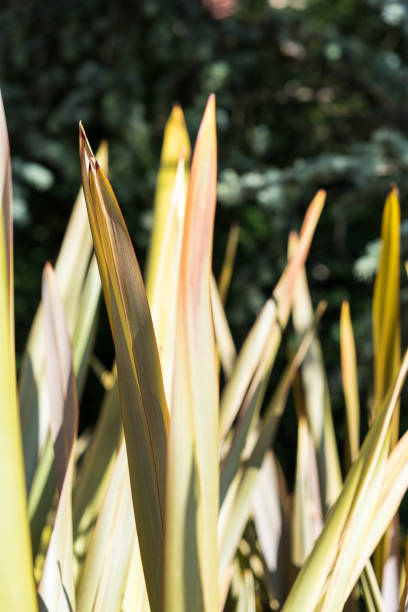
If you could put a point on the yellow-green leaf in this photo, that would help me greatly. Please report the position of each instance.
(191, 576)
(104, 573)
(70, 270)
(176, 146)
(386, 305)
(307, 518)
(164, 285)
(224, 279)
(334, 547)
(56, 589)
(317, 396)
(16, 572)
(350, 384)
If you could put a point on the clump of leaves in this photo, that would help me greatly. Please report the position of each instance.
(177, 502)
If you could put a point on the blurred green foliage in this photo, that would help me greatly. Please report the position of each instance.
(310, 93)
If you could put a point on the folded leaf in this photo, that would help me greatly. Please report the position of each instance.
(192, 478)
(176, 147)
(16, 572)
(70, 270)
(143, 404)
(350, 384)
(317, 395)
(56, 589)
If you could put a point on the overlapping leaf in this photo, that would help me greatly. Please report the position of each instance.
(350, 384)
(15, 556)
(56, 589)
(70, 270)
(338, 547)
(103, 578)
(317, 396)
(176, 147)
(144, 409)
(192, 479)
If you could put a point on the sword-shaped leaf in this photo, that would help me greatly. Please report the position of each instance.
(224, 279)
(164, 286)
(307, 506)
(270, 322)
(386, 306)
(191, 577)
(236, 507)
(225, 343)
(56, 589)
(387, 330)
(272, 518)
(176, 146)
(103, 577)
(135, 595)
(70, 270)
(317, 396)
(335, 550)
(144, 409)
(94, 474)
(350, 384)
(283, 296)
(16, 571)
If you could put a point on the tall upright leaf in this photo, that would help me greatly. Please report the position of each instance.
(192, 478)
(317, 396)
(307, 518)
(176, 146)
(164, 286)
(103, 576)
(335, 553)
(350, 384)
(224, 279)
(57, 583)
(143, 404)
(70, 270)
(16, 571)
(387, 329)
(386, 307)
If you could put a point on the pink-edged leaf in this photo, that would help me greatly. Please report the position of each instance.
(143, 404)
(56, 589)
(192, 478)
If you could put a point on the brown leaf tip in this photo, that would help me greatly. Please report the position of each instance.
(394, 188)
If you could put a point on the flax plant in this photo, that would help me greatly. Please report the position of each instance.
(177, 502)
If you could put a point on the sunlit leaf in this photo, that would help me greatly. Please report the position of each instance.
(317, 396)
(192, 478)
(16, 571)
(344, 521)
(386, 306)
(164, 286)
(56, 589)
(143, 404)
(271, 510)
(103, 577)
(94, 474)
(307, 505)
(350, 384)
(236, 506)
(70, 270)
(228, 263)
(176, 146)
(225, 342)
